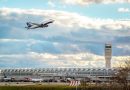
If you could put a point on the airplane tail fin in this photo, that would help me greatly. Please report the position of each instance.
(29, 24)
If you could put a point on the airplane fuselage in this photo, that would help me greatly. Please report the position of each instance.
(42, 25)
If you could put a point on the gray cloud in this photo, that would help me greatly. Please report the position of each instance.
(57, 60)
(67, 43)
(78, 34)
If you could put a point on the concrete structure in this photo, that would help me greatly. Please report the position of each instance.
(108, 55)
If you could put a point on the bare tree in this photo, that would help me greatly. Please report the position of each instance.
(123, 73)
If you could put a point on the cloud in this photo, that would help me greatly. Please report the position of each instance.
(61, 19)
(72, 40)
(59, 60)
(124, 10)
(68, 60)
(124, 46)
(13, 40)
(86, 60)
(51, 4)
(87, 2)
(79, 35)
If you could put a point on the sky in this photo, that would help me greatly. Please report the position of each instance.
(75, 39)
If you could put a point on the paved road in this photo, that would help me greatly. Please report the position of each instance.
(29, 83)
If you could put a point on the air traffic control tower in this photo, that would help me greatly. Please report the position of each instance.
(108, 55)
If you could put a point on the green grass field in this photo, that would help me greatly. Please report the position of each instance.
(38, 87)
(56, 87)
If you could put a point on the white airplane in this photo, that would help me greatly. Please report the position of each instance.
(31, 25)
(7, 79)
(36, 80)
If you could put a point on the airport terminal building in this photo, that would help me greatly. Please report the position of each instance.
(93, 74)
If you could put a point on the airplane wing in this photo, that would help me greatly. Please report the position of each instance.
(30, 24)
(48, 22)
(35, 24)
(33, 27)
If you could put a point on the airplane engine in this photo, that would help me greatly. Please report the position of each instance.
(45, 25)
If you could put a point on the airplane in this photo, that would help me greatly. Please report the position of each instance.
(31, 25)
(36, 80)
